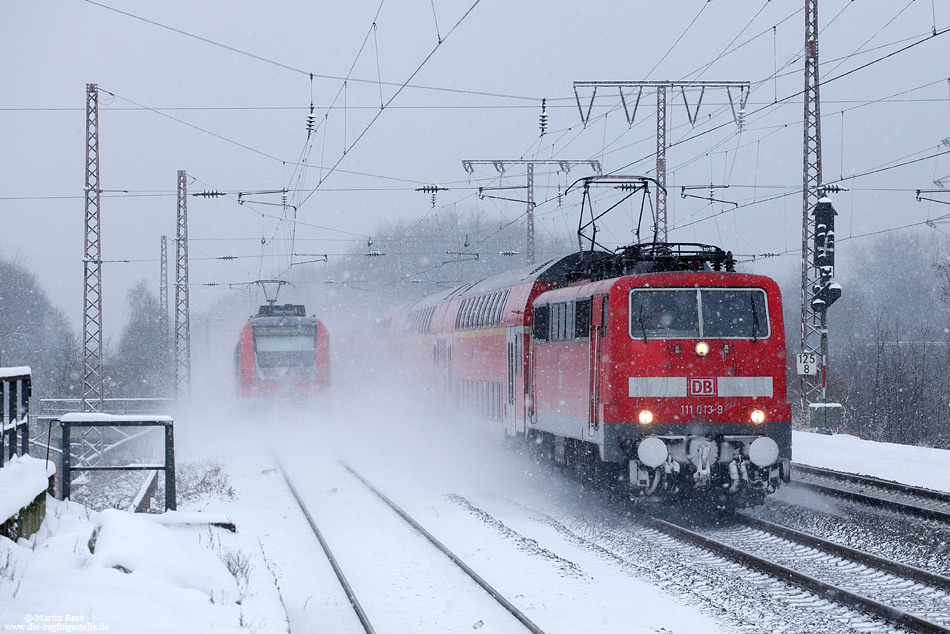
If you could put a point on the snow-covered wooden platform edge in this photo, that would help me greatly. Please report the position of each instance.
(23, 484)
(23, 370)
(21, 480)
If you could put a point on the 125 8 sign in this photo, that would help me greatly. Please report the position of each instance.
(808, 363)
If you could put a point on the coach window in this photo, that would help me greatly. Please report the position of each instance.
(473, 313)
(541, 318)
(500, 311)
(568, 321)
(582, 318)
(490, 313)
(467, 319)
(562, 321)
(490, 300)
(482, 310)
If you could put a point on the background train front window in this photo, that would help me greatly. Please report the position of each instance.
(721, 313)
(285, 350)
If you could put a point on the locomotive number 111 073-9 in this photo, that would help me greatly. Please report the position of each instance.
(700, 409)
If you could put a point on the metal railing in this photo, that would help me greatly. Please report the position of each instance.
(85, 421)
(60, 406)
(15, 421)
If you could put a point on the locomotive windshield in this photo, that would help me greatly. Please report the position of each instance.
(720, 313)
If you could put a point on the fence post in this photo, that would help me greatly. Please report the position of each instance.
(25, 438)
(26, 391)
(170, 467)
(66, 474)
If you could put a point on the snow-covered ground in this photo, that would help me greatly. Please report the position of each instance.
(491, 506)
(918, 466)
(122, 572)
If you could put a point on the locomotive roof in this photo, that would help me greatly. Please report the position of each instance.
(285, 320)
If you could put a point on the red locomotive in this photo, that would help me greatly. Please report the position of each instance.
(282, 350)
(658, 365)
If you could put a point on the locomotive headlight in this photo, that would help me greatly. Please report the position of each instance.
(757, 417)
(702, 348)
(645, 417)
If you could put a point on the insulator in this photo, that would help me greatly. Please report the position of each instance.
(283, 199)
(507, 252)
(544, 117)
(433, 199)
(466, 245)
(560, 196)
(311, 123)
(375, 254)
(740, 119)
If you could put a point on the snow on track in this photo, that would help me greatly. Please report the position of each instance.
(403, 583)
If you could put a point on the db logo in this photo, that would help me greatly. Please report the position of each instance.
(702, 387)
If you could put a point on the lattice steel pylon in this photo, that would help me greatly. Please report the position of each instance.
(661, 216)
(662, 119)
(92, 390)
(182, 319)
(812, 387)
(499, 164)
(163, 326)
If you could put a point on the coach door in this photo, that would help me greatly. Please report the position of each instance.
(515, 380)
(598, 329)
(442, 357)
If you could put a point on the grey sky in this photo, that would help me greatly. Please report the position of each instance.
(523, 51)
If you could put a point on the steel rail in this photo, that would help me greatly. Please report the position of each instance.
(890, 485)
(894, 567)
(360, 614)
(870, 500)
(821, 588)
(514, 611)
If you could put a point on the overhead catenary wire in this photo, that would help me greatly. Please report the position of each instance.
(393, 97)
(552, 150)
(302, 71)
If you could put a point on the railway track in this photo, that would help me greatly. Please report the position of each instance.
(753, 598)
(885, 494)
(348, 589)
(904, 596)
(898, 594)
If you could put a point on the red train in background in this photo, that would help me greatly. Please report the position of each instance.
(281, 350)
(657, 365)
